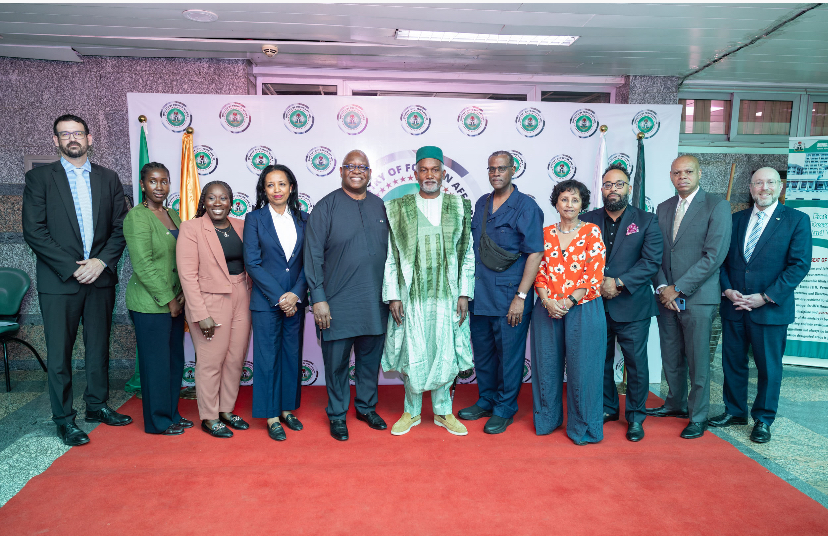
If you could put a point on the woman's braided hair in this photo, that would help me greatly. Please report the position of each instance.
(201, 208)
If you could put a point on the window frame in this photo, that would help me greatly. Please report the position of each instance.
(812, 99)
(706, 95)
(738, 97)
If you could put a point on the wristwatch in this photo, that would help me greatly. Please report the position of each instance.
(618, 282)
(574, 301)
(521, 295)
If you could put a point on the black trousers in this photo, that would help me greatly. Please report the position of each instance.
(632, 338)
(62, 314)
(367, 354)
(160, 340)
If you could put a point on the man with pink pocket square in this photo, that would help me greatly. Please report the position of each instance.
(634, 249)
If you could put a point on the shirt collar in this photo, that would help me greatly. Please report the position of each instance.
(68, 166)
(690, 197)
(768, 211)
(275, 214)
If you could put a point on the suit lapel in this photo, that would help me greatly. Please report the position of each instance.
(213, 241)
(300, 234)
(773, 224)
(95, 184)
(267, 221)
(670, 215)
(692, 210)
(62, 185)
(623, 222)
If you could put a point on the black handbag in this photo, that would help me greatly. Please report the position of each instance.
(493, 256)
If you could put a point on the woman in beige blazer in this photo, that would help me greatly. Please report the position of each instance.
(210, 260)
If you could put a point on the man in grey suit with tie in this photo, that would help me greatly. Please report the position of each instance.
(73, 213)
(695, 226)
(770, 254)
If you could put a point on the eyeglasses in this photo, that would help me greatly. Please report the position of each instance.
(77, 135)
(351, 167)
(618, 184)
(501, 169)
(763, 184)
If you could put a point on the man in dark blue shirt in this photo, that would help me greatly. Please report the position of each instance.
(503, 300)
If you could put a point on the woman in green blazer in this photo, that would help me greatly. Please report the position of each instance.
(155, 302)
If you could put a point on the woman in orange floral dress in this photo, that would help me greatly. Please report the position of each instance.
(569, 327)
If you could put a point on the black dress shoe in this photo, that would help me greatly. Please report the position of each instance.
(276, 432)
(339, 430)
(216, 430)
(292, 422)
(761, 433)
(373, 420)
(472, 413)
(635, 432)
(610, 417)
(235, 422)
(185, 423)
(71, 435)
(108, 416)
(661, 411)
(694, 430)
(725, 419)
(497, 425)
(173, 429)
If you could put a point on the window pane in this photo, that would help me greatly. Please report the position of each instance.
(701, 116)
(444, 95)
(574, 96)
(771, 118)
(297, 89)
(819, 119)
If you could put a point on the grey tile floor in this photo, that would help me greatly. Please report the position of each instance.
(798, 452)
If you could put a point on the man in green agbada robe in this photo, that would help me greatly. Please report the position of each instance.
(428, 282)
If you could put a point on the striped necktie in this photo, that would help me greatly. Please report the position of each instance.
(85, 205)
(755, 233)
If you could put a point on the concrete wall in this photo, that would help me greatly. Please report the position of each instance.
(32, 94)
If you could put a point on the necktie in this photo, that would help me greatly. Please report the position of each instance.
(679, 216)
(755, 233)
(85, 204)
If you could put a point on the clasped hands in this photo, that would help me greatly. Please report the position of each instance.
(744, 303)
(556, 308)
(668, 296)
(89, 270)
(396, 309)
(287, 303)
(609, 289)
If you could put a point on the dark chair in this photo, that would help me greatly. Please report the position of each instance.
(14, 284)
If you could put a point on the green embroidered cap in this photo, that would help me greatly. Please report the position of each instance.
(429, 151)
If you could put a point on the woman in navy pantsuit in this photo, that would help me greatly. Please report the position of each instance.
(273, 236)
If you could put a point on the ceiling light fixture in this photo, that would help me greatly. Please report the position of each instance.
(200, 15)
(456, 37)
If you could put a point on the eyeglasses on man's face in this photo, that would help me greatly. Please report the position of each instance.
(351, 167)
(78, 134)
(617, 184)
(499, 169)
(764, 184)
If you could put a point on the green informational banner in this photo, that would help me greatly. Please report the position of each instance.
(807, 190)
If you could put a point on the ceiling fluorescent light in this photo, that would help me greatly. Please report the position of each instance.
(200, 15)
(455, 37)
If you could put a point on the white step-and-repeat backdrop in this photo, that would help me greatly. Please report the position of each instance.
(236, 136)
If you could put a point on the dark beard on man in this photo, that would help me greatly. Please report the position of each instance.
(616, 206)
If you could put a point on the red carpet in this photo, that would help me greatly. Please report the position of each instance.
(426, 482)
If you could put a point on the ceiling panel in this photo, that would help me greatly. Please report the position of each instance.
(615, 39)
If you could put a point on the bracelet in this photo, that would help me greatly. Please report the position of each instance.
(765, 297)
(572, 298)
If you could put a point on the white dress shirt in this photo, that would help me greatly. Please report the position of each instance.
(432, 209)
(688, 200)
(753, 217)
(285, 230)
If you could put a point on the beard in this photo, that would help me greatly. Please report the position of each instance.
(430, 189)
(74, 149)
(615, 206)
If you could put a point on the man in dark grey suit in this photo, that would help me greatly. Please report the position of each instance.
(73, 214)
(770, 254)
(695, 227)
(634, 249)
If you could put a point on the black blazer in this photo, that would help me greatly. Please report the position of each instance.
(50, 226)
(635, 259)
(780, 260)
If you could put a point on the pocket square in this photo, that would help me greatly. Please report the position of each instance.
(633, 228)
